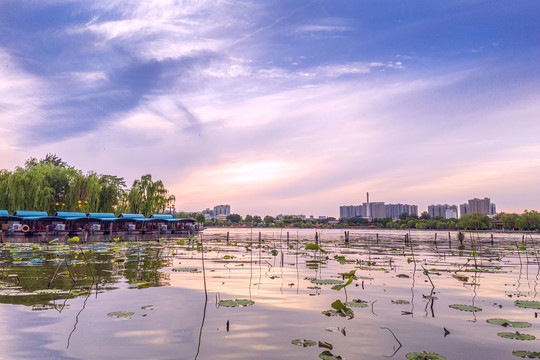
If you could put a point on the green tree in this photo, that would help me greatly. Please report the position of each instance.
(200, 218)
(257, 220)
(234, 218)
(268, 220)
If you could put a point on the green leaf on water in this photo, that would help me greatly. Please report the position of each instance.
(53, 241)
(326, 281)
(121, 314)
(80, 292)
(274, 252)
(357, 303)
(314, 246)
(192, 270)
(505, 323)
(327, 355)
(235, 303)
(142, 284)
(325, 345)
(526, 354)
(465, 307)
(400, 302)
(48, 291)
(424, 356)
(516, 336)
(116, 239)
(303, 343)
(74, 239)
(148, 307)
(530, 304)
(402, 276)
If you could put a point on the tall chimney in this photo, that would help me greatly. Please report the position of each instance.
(368, 210)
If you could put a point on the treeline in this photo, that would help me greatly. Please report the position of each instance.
(51, 185)
(529, 220)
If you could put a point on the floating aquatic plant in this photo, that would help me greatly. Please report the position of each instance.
(148, 307)
(530, 304)
(460, 277)
(313, 246)
(465, 307)
(400, 302)
(516, 336)
(235, 303)
(424, 356)
(121, 314)
(192, 270)
(303, 343)
(527, 354)
(504, 322)
(326, 281)
(327, 355)
(357, 303)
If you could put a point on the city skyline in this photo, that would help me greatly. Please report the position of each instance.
(280, 107)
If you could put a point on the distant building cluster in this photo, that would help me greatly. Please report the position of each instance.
(219, 212)
(379, 210)
(280, 217)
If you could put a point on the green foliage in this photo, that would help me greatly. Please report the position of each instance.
(235, 303)
(424, 356)
(303, 343)
(505, 323)
(516, 336)
(313, 246)
(234, 218)
(465, 307)
(200, 218)
(530, 304)
(527, 354)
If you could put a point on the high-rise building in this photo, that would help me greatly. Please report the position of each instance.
(482, 206)
(394, 210)
(493, 209)
(348, 211)
(463, 209)
(451, 213)
(222, 209)
(374, 210)
(441, 210)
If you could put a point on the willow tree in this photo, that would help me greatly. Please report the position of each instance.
(147, 196)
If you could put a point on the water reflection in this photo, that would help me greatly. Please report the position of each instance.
(175, 313)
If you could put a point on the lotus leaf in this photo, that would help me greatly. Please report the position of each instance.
(460, 277)
(504, 322)
(526, 354)
(121, 314)
(357, 303)
(303, 343)
(402, 276)
(465, 307)
(364, 277)
(528, 304)
(237, 302)
(326, 281)
(79, 292)
(400, 302)
(48, 291)
(325, 345)
(327, 355)
(370, 268)
(516, 335)
(193, 270)
(148, 307)
(142, 284)
(274, 252)
(313, 246)
(424, 356)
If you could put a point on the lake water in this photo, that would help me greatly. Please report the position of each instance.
(146, 299)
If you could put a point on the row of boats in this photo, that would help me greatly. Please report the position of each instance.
(31, 223)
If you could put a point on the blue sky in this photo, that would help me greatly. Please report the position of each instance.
(281, 106)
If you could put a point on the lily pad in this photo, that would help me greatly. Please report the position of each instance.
(326, 281)
(504, 322)
(80, 292)
(121, 314)
(193, 270)
(148, 307)
(527, 354)
(235, 303)
(357, 303)
(424, 356)
(48, 291)
(303, 343)
(327, 355)
(400, 302)
(530, 304)
(465, 307)
(142, 284)
(516, 336)
(404, 276)
(460, 277)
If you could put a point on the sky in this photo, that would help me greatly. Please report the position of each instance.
(291, 107)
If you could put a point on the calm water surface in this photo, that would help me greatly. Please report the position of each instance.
(169, 316)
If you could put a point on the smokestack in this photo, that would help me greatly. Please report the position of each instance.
(367, 197)
(368, 210)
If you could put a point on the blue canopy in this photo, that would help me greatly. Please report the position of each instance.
(25, 214)
(65, 214)
(4, 213)
(131, 216)
(101, 215)
(183, 219)
(161, 217)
